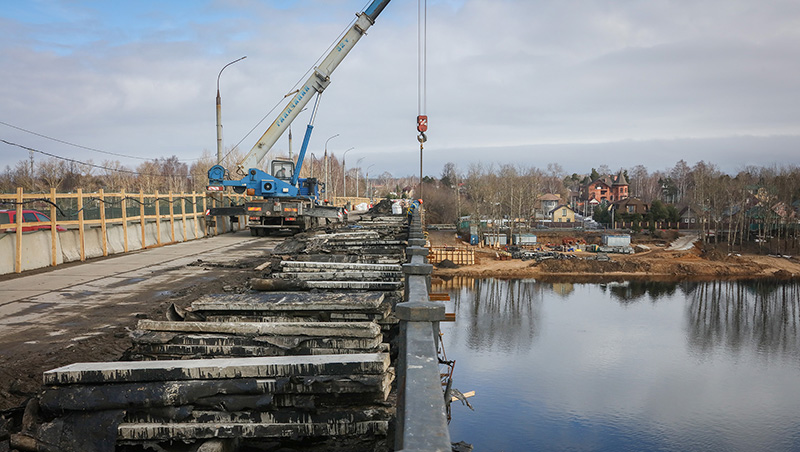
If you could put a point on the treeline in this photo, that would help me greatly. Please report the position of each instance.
(754, 202)
(38, 175)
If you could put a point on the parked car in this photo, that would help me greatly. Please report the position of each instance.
(28, 216)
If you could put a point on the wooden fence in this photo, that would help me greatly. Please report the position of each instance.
(86, 210)
(457, 255)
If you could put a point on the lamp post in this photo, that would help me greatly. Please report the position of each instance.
(358, 173)
(369, 195)
(344, 173)
(326, 164)
(219, 112)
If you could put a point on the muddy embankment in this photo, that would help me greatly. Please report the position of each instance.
(697, 263)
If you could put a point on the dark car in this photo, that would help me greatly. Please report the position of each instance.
(28, 216)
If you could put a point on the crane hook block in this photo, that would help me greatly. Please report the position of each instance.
(422, 123)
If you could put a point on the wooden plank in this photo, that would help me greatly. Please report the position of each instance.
(183, 215)
(53, 229)
(194, 214)
(142, 219)
(103, 227)
(223, 368)
(18, 257)
(124, 205)
(439, 296)
(81, 225)
(158, 219)
(171, 217)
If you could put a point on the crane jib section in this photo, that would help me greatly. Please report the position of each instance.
(317, 82)
(295, 101)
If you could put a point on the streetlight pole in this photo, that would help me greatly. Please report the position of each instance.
(369, 195)
(358, 173)
(219, 112)
(344, 173)
(326, 164)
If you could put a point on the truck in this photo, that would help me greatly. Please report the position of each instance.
(282, 199)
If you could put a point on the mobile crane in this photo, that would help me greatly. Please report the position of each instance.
(287, 200)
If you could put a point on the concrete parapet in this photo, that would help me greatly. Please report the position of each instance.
(37, 245)
(36, 251)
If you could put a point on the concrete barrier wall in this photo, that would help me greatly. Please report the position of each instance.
(36, 246)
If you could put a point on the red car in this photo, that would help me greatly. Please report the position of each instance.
(28, 216)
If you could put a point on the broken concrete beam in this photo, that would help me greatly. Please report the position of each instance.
(142, 337)
(269, 285)
(192, 431)
(361, 243)
(203, 369)
(346, 236)
(180, 351)
(350, 415)
(58, 399)
(289, 301)
(345, 275)
(327, 266)
(354, 285)
(328, 329)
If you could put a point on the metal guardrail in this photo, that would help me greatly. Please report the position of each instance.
(421, 415)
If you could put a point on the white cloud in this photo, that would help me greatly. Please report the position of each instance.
(502, 75)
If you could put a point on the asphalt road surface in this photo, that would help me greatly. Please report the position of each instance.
(83, 312)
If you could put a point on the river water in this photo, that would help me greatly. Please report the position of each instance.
(706, 366)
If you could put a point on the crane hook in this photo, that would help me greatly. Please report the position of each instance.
(422, 137)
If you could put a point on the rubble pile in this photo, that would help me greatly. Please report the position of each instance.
(303, 355)
(158, 405)
(268, 324)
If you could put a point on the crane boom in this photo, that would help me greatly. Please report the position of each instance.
(315, 84)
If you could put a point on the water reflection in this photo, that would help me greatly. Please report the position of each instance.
(634, 291)
(496, 313)
(763, 315)
(615, 367)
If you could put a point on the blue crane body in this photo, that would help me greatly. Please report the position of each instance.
(286, 199)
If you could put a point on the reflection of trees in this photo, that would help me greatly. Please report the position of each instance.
(500, 313)
(736, 315)
(633, 291)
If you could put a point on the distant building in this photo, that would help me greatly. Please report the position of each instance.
(549, 202)
(562, 214)
(631, 206)
(606, 189)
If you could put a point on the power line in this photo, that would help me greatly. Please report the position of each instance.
(77, 145)
(88, 164)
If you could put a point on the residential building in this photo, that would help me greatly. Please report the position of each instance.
(562, 214)
(631, 206)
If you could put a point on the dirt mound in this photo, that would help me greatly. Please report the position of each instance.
(382, 208)
(593, 266)
(447, 263)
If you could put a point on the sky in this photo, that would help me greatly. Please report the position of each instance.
(581, 83)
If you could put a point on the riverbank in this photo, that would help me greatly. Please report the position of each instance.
(658, 263)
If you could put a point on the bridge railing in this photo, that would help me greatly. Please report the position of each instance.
(99, 224)
(421, 415)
